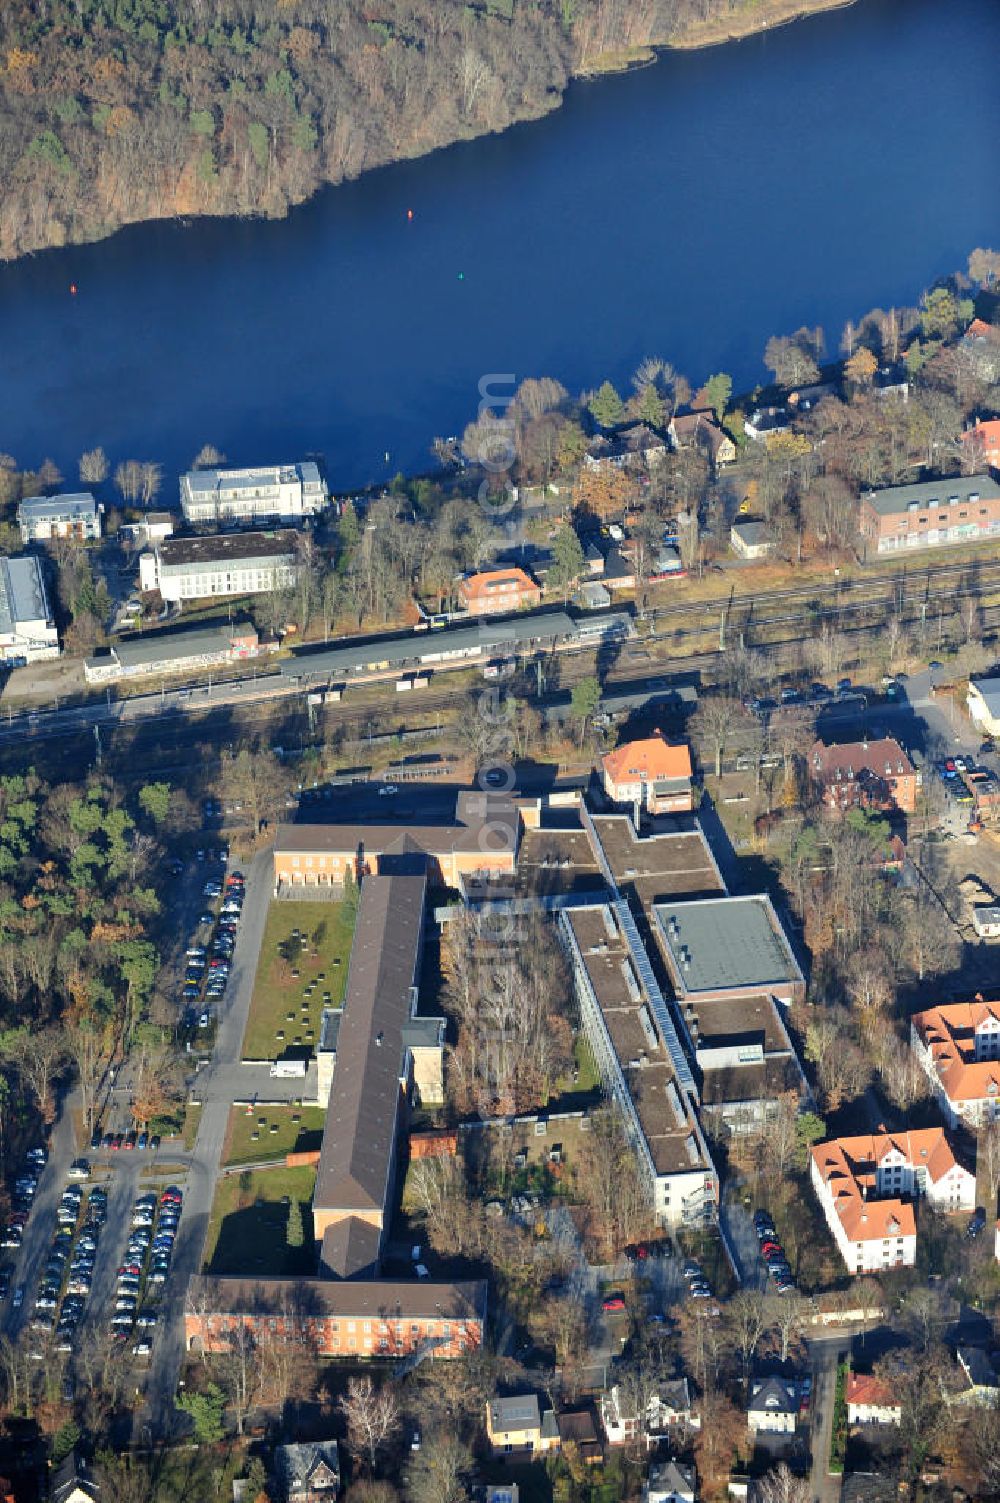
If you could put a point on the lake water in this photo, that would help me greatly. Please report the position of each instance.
(688, 210)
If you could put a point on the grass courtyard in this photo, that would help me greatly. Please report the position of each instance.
(269, 1132)
(248, 1227)
(302, 969)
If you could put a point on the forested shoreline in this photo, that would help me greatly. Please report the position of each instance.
(118, 111)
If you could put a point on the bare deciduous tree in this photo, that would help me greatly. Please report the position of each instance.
(746, 1320)
(439, 1471)
(93, 466)
(207, 458)
(780, 1485)
(372, 1417)
(38, 1057)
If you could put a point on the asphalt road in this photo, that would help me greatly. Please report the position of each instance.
(215, 1089)
(825, 1353)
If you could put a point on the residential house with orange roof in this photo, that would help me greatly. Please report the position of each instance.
(650, 773)
(982, 443)
(958, 1046)
(494, 591)
(868, 1187)
(871, 1401)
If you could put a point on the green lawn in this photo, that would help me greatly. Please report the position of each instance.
(295, 977)
(299, 1129)
(249, 1222)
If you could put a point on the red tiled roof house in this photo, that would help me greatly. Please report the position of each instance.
(959, 1048)
(870, 1401)
(495, 591)
(867, 1187)
(651, 773)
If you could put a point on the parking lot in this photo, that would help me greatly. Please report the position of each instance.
(96, 1241)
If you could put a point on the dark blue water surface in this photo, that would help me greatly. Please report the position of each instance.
(688, 210)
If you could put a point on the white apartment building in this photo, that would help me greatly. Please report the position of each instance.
(861, 1184)
(958, 1046)
(42, 518)
(272, 493)
(27, 627)
(236, 564)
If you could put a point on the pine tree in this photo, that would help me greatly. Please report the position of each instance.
(569, 560)
(606, 406)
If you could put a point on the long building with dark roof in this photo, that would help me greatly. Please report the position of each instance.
(355, 1178)
(483, 836)
(339, 1318)
(349, 1310)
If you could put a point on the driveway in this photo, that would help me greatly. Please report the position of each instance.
(737, 1224)
(215, 1088)
(825, 1353)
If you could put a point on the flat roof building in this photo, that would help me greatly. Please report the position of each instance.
(983, 700)
(668, 858)
(640, 1059)
(173, 652)
(744, 1059)
(269, 493)
(252, 563)
(27, 627)
(42, 518)
(727, 947)
(930, 513)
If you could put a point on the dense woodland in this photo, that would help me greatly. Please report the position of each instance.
(113, 111)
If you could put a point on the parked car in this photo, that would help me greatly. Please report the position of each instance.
(976, 1222)
(612, 1304)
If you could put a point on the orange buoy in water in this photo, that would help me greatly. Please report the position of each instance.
(72, 289)
(409, 213)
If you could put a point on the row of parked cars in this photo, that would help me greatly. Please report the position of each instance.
(23, 1198)
(778, 1266)
(961, 776)
(147, 1260)
(68, 1275)
(698, 1285)
(210, 969)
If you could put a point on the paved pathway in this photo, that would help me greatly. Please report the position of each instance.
(826, 1352)
(216, 1089)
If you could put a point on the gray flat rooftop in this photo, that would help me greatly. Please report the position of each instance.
(225, 548)
(721, 944)
(927, 493)
(989, 689)
(78, 504)
(22, 592)
(429, 646)
(160, 648)
(644, 1055)
(207, 482)
(672, 860)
